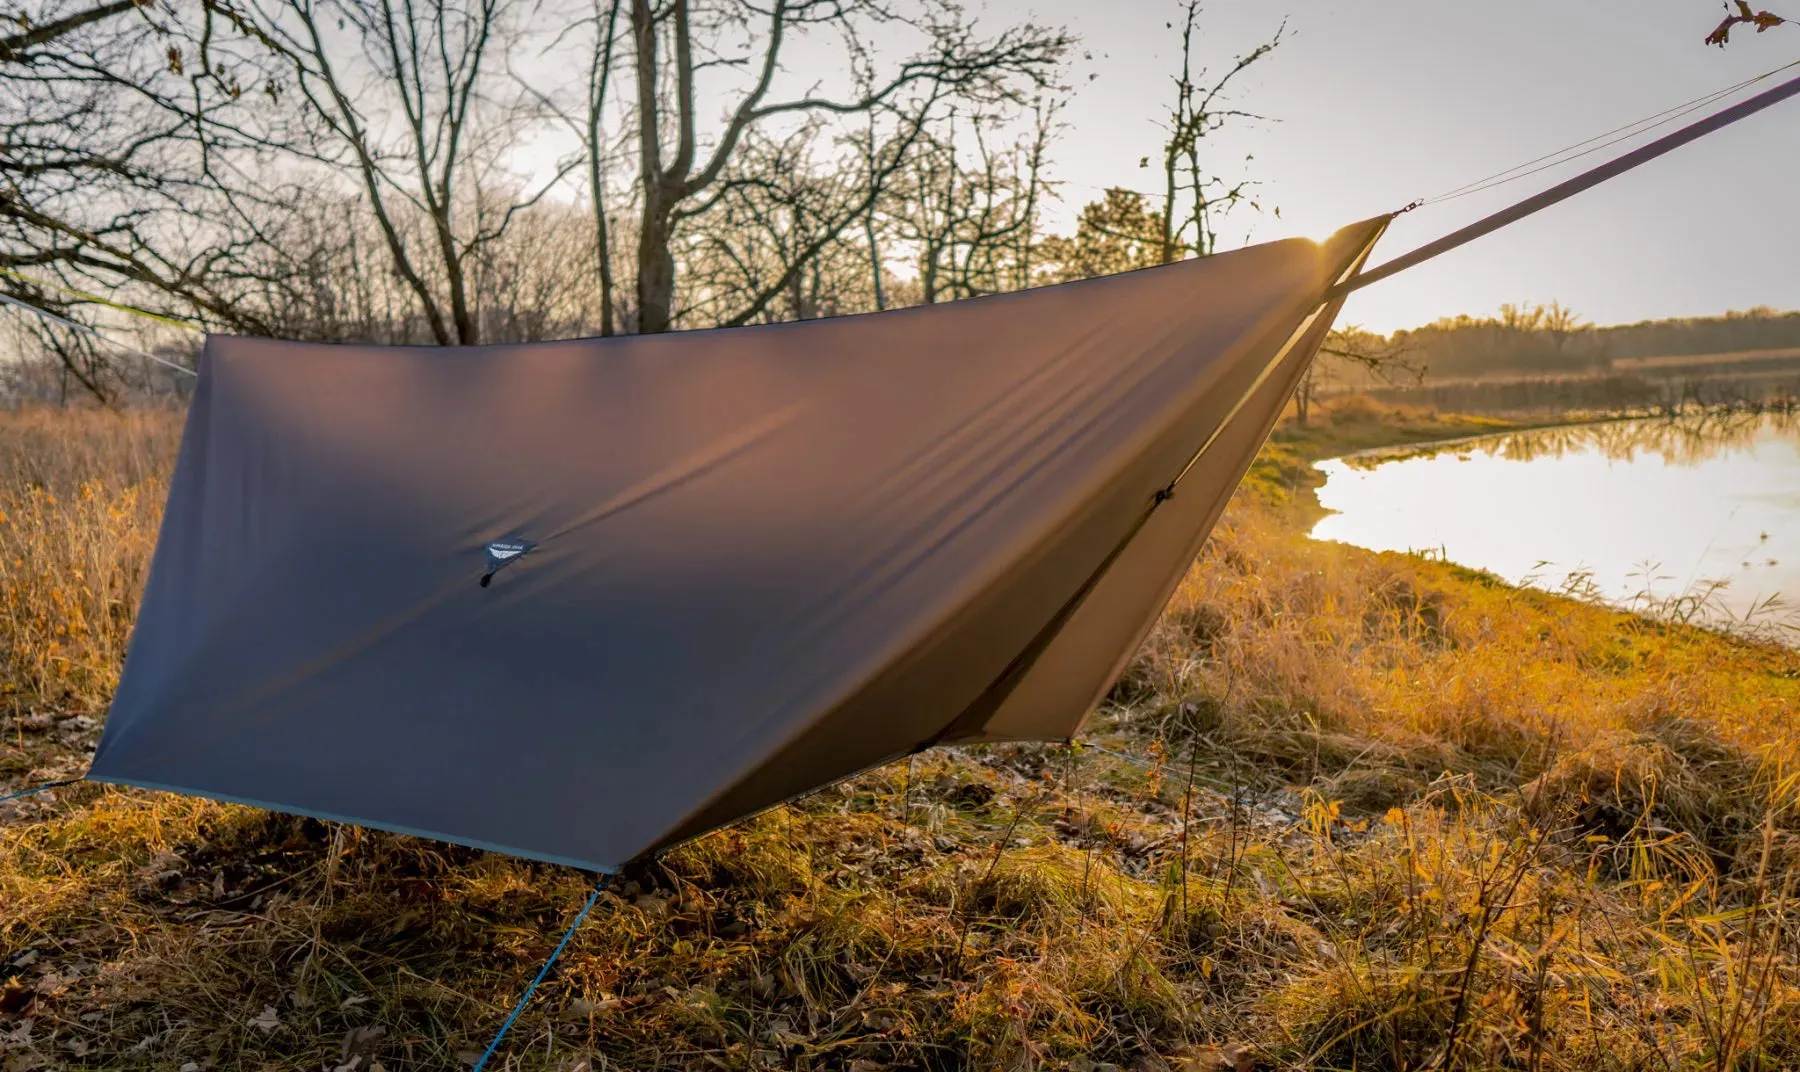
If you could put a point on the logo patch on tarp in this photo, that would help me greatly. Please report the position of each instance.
(503, 553)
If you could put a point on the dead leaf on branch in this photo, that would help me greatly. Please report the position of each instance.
(1746, 16)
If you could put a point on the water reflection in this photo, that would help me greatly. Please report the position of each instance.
(1685, 440)
(1696, 517)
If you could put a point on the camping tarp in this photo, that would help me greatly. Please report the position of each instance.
(580, 601)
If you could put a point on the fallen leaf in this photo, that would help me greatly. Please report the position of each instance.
(359, 1042)
(269, 1020)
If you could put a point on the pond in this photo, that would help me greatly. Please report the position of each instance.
(1694, 517)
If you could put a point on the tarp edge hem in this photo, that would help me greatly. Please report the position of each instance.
(309, 813)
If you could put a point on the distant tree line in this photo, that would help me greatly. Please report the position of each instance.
(1542, 339)
(1761, 328)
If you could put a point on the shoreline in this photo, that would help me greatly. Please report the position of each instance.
(1306, 513)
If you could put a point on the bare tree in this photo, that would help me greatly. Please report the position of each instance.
(112, 125)
(968, 208)
(776, 221)
(596, 127)
(1194, 197)
(678, 174)
(351, 169)
(594, 142)
(111, 130)
(877, 267)
(1354, 357)
(1121, 231)
(409, 102)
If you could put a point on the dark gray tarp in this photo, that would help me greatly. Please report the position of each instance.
(582, 600)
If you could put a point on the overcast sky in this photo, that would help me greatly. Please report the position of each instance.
(1379, 102)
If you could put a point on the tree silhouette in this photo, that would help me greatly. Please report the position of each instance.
(1117, 233)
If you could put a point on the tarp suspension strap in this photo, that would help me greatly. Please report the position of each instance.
(1565, 190)
(85, 330)
(525, 999)
(36, 789)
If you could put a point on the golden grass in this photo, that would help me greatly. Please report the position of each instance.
(80, 496)
(1399, 815)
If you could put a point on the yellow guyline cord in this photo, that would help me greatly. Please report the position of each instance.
(98, 300)
(85, 330)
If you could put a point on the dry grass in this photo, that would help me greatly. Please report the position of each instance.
(80, 496)
(1399, 815)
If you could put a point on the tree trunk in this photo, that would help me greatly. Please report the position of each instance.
(656, 273)
(467, 332)
(1167, 253)
(604, 241)
(599, 78)
(875, 262)
(656, 261)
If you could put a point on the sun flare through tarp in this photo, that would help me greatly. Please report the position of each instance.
(580, 601)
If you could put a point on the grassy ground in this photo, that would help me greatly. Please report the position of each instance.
(1397, 815)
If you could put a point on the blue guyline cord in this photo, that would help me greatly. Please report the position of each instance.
(525, 999)
(36, 789)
